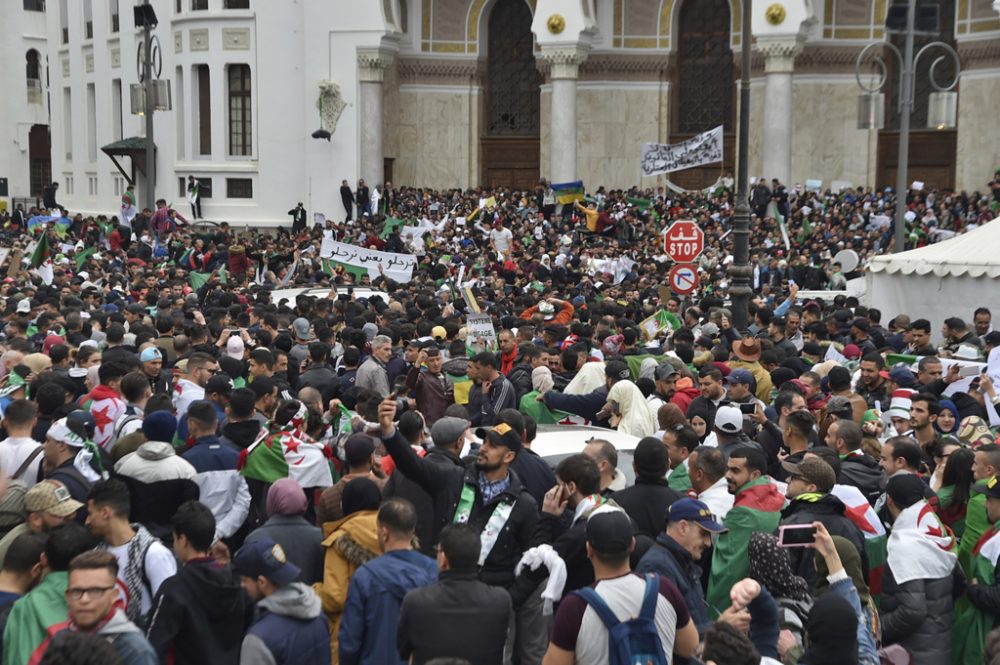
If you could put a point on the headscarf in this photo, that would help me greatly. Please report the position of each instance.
(851, 560)
(973, 431)
(770, 565)
(647, 369)
(832, 631)
(541, 379)
(699, 407)
(38, 362)
(950, 406)
(670, 415)
(587, 380)
(637, 418)
(285, 497)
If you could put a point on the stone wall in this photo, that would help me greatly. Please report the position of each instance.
(978, 147)
(438, 136)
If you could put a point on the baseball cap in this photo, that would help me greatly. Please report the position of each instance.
(695, 511)
(743, 376)
(219, 383)
(547, 310)
(616, 369)
(51, 496)
(235, 347)
(358, 448)
(839, 405)
(610, 532)
(439, 332)
(501, 434)
(812, 349)
(905, 489)
(729, 419)
(902, 377)
(665, 371)
(300, 327)
(992, 338)
(445, 431)
(149, 354)
(992, 488)
(266, 558)
(24, 306)
(814, 471)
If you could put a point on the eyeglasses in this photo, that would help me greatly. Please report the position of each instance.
(76, 593)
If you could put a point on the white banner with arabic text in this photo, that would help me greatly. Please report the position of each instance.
(397, 267)
(705, 148)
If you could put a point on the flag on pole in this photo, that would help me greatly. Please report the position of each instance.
(641, 204)
(199, 279)
(391, 224)
(567, 192)
(62, 227)
(38, 223)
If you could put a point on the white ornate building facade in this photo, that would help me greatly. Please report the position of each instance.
(446, 93)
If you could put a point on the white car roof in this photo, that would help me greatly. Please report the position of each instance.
(570, 439)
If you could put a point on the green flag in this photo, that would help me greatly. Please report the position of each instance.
(82, 256)
(330, 268)
(223, 275)
(199, 279)
(641, 204)
(391, 223)
(41, 253)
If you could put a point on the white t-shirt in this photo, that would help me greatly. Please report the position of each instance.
(502, 239)
(13, 452)
(160, 564)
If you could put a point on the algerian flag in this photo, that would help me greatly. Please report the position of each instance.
(41, 260)
(286, 454)
(665, 319)
(330, 268)
(971, 624)
(391, 223)
(344, 425)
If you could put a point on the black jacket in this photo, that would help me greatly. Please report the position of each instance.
(428, 529)
(828, 509)
(646, 503)
(520, 377)
(241, 433)
(918, 614)
(535, 473)
(458, 617)
(445, 484)
(863, 472)
(200, 615)
(323, 379)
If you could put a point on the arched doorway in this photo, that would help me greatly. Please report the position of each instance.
(933, 152)
(704, 84)
(510, 153)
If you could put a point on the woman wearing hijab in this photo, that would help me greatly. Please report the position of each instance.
(947, 421)
(770, 565)
(587, 380)
(702, 419)
(836, 632)
(287, 526)
(532, 404)
(849, 558)
(630, 413)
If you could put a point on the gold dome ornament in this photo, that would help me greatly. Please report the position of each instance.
(775, 14)
(556, 24)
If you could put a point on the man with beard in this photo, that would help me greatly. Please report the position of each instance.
(485, 495)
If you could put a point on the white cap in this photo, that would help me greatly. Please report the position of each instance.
(23, 306)
(729, 419)
(235, 347)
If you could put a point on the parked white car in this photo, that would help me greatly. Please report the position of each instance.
(553, 443)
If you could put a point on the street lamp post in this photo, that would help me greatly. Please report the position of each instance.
(872, 103)
(147, 91)
(740, 271)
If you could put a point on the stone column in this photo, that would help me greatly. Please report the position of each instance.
(779, 61)
(564, 64)
(371, 73)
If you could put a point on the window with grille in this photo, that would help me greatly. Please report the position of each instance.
(237, 4)
(199, 5)
(514, 100)
(240, 130)
(239, 188)
(33, 75)
(34, 5)
(705, 67)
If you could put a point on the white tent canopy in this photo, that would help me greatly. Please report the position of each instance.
(949, 278)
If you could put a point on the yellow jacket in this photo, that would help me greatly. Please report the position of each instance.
(759, 374)
(349, 543)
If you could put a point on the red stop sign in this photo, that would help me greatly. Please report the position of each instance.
(683, 241)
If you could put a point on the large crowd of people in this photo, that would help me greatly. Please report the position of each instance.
(196, 468)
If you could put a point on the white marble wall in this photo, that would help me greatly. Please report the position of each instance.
(978, 147)
(612, 123)
(826, 143)
(436, 137)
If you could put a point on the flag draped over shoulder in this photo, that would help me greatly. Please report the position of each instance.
(567, 192)
(287, 453)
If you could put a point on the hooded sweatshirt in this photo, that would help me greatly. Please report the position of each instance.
(200, 615)
(159, 482)
(290, 628)
(126, 638)
(371, 616)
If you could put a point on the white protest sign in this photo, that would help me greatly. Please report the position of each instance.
(398, 267)
(480, 334)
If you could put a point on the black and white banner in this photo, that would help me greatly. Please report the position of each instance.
(663, 157)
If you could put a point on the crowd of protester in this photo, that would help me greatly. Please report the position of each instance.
(194, 471)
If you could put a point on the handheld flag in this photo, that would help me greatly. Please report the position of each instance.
(567, 192)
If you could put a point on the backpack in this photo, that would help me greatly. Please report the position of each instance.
(636, 641)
